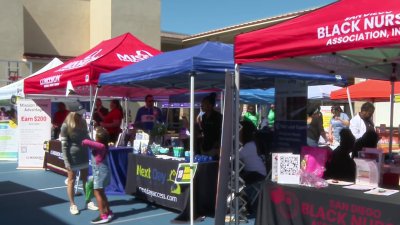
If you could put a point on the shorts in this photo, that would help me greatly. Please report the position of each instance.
(101, 174)
(79, 166)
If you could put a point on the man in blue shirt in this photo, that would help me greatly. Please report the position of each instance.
(148, 114)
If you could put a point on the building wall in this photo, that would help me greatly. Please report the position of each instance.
(12, 40)
(111, 18)
(141, 18)
(56, 29)
(69, 28)
(100, 21)
(382, 114)
(11, 29)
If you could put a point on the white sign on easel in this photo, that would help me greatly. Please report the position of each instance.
(285, 168)
(34, 123)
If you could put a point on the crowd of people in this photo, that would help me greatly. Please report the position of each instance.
(354, 135)
(346, 137)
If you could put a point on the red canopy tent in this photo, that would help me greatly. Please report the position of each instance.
(354, 38)
(84, 70)
(370, 90)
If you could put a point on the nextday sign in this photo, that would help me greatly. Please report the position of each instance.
(34, 124)
(183, 174)
(154, 180)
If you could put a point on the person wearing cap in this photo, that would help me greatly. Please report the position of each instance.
(112, 121)
(338, 121)
(315, 127)
(76, 157)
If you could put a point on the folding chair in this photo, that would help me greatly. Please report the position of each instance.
(76, 185)
(78, 176)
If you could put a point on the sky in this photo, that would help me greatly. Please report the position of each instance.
(197, 16)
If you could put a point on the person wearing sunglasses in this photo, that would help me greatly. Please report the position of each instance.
(147, 115)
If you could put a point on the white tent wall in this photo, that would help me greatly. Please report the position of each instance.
(382, 114)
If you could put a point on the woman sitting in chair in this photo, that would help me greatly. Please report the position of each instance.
(254, 168)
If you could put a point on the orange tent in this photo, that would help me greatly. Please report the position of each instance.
(370, 90)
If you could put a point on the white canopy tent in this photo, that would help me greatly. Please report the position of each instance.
(17, 88)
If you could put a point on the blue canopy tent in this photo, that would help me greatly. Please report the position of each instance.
(257, 96)
(206, 63)
(247, 96)
(260, 96)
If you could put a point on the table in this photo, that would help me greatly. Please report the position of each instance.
(53, 158)
(117, 159)
(295, 205)
(384, 137)
(152, 179)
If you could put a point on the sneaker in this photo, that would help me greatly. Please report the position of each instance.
(92, 206)
(110, 215)
(73, 209)
(103, 218)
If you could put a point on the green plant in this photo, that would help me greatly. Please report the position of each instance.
(159, 129)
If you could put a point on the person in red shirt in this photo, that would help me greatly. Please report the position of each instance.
(112, 121)
(58, 119)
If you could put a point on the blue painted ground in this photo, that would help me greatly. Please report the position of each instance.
(39, 197)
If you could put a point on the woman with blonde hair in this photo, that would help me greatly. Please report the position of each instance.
(76, 157)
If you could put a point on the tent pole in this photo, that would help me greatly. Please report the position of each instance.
(126, 113)
(349, 99)
(92, 110)
(225, 151)
(392, 79)
(236, 143)
(91, 102)
(192, 118)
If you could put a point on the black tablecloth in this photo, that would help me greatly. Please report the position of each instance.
(117, 159)
(334, 205)
(152, 179)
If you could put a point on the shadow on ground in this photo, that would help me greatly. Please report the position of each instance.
(24, 205)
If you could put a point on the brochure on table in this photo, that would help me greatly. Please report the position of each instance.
(367, 174)
(141, 142)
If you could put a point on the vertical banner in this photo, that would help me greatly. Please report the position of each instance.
(290, 110)
(326, 116)
(34, 124)
(8, 140)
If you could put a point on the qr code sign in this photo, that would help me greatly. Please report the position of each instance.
(289, 165)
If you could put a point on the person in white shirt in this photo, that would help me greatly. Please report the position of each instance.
(363, 120)
(254, 167)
